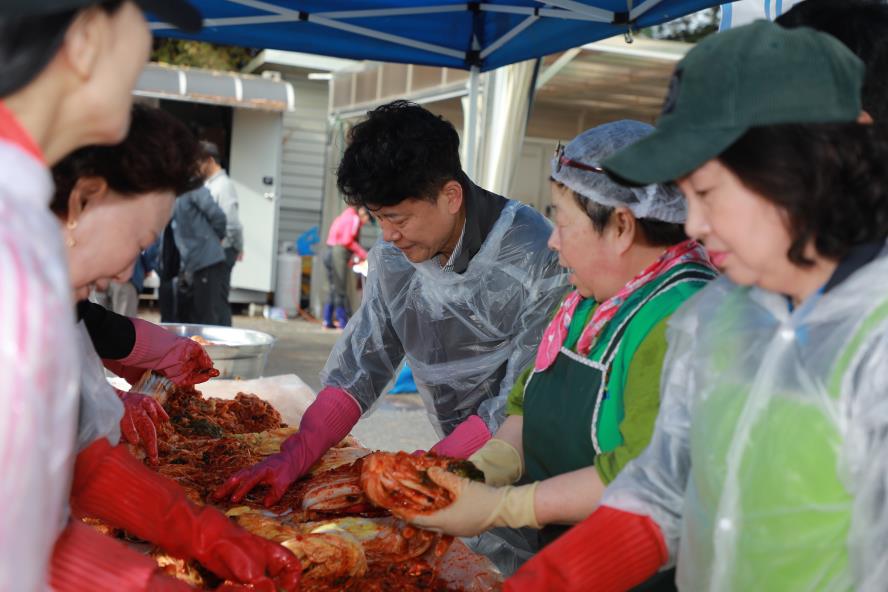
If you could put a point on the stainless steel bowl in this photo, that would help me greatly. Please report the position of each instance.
(236, 353)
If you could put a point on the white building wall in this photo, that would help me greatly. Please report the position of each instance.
(303, 161)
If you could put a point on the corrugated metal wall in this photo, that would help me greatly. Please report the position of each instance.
(303, 161)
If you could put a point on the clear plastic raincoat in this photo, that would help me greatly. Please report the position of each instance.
(466, 336)
(39, 369)
(768, 468)
(100, 408)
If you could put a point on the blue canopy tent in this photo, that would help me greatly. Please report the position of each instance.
(483, 35)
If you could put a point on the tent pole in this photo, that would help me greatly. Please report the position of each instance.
(472, 136)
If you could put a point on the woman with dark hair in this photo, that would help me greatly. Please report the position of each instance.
(113, 202)
(769, 459)
(586, 407)
(115, 195)
(67, 68)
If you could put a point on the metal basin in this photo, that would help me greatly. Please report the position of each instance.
(236, 353)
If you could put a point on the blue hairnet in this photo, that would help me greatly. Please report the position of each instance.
(657, 202)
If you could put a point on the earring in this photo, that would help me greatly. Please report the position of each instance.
(71, 224)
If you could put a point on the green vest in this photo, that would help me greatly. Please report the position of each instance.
(573, 410)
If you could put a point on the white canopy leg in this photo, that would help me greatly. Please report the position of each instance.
(471, 127)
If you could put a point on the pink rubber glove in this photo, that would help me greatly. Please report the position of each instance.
(465, 440)
(326, 421)
(180, 359)
(84, 559)
(142, 415)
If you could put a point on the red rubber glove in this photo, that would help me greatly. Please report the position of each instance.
(465, 439)
(84, 559)
(326, 421)
(180, 359)
(610, 551)
(142, 415)
(110, 484)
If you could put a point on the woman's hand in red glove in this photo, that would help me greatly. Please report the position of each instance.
(180, 359)
(240, 556)
(111, 485)
(142, 416)
(193, 365)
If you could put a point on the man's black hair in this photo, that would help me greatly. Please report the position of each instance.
(400, 151)
(862, 25)
(28, 44)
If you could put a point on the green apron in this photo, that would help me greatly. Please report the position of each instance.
(570, 417)
(559, 396)
(561, 393)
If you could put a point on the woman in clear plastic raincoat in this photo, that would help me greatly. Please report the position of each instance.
(67, 70)
(768, 465)
(461, 287)
(113, 201)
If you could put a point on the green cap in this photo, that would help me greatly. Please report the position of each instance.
(758, 74)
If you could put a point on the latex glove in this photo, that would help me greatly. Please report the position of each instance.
(476, 507)
(610, 551)
(84, 559)
(180, 359)
(142, 415)
(326, 421)
(110, 484)
(465, 439)
(499, 461)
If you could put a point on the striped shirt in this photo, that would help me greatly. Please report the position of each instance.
(39, 365)
(448, 267)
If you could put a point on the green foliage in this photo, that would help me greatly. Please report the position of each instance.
(198, 54)
(690, 28)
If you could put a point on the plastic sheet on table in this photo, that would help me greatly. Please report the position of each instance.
(287, 392)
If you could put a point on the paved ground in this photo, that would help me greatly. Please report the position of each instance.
(399, 422)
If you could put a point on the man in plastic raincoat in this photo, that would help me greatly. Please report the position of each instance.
(461, 285)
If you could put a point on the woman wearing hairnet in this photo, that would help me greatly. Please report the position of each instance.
(587, 405)
(768, 465)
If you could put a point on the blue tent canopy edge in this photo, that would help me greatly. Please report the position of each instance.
(443, 33)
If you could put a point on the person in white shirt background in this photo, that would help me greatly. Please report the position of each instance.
(222, 188)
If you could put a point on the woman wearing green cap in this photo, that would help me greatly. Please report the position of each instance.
(587, 405)
(768, 465)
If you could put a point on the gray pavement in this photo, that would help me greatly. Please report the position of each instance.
(399, 422)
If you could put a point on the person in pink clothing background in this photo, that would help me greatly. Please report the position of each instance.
(342, 245)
